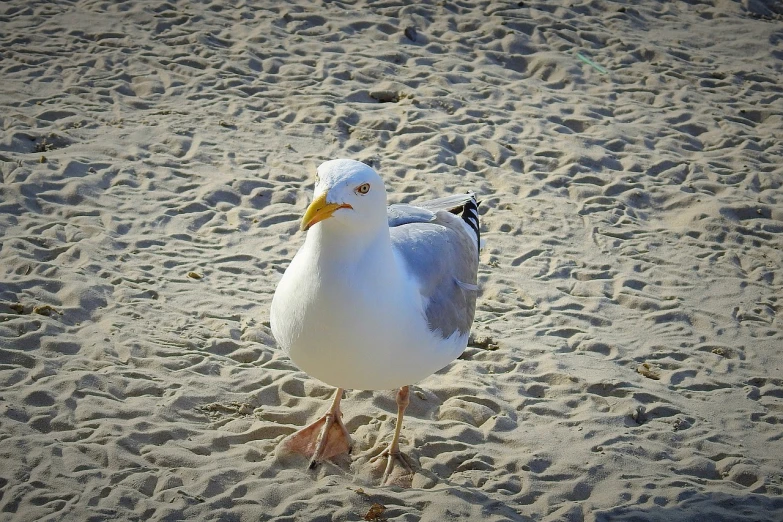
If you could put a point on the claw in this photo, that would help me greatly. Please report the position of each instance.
(392, 459)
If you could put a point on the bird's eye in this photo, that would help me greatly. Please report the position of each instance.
(363, 189)
(317, 179)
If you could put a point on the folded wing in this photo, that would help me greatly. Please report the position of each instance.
(440, 249)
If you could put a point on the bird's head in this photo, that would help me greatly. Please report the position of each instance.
(348, 193)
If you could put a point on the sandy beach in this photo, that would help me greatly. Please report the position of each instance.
(626, 361)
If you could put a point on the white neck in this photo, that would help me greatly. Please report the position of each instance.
(364, 253)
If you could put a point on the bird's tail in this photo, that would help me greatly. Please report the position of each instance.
(464, 205)
(470, 215)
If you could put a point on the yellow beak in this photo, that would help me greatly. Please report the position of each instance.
(319, 210)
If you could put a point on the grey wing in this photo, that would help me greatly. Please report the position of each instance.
(424, 211)
(449, 203)
(443, 257)
(404, 214)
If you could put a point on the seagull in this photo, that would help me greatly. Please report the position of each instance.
(377, 297)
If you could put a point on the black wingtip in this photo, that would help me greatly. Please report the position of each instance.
(470, 215)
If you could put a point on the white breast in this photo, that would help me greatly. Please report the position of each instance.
(357, 326)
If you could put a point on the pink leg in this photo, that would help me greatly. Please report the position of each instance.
(392, 453)
(324, 438)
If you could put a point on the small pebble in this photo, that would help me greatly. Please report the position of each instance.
(649, 371)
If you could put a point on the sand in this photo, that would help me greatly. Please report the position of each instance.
(156, 158)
